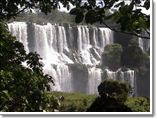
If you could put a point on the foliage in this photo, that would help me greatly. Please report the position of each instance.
(79, 102)
(114, 89)
(22, 88)
(13, 8)
(133, 56)
(111, 56)
(74, 102)
(107, 104)
(54, 17)
(113, 94)
(128, 20)
(138, 104)
(113, 98)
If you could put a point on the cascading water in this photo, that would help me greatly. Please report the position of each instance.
(144, 44)
(70, 54)
(94, 80)
(127, 76)
(20, 31)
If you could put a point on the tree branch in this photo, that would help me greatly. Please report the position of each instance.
(147, 32)
(129, 33)
(22, 10)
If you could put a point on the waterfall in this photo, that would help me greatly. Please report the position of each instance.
(70, 54)
(20, 31)
(127, 76)
(144, 44)
(94, 80)
(141, 44)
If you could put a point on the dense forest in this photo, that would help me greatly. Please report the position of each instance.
(54, 17)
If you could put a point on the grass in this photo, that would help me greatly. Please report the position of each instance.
(79, 102)
(74, 102)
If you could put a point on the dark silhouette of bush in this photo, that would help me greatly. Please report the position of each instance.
(113, 94)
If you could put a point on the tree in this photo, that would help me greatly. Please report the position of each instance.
(111, 56)
(10, 8)
(133, 56)
(113, 95)
(126, 18)
(114, 89)
(22, 88)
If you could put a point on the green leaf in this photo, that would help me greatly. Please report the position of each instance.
(147, 4)
(120, 4)
(90, 17)
(74, 11)
(79, 17)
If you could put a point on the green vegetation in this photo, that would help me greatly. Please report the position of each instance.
(127, 19)
(79, 102)
(114, 89)
(74, 102)
(138, 104)
(133, 56)
(54, 17)
(111, 56)
(128, 55)
(113, 94)
(22, 88)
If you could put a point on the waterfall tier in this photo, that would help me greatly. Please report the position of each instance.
(63, 44)
(70, 54)
(127, 76)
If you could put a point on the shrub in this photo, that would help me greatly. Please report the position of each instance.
(113, 94)
(111, 56)
(138, 104)
(114, 89)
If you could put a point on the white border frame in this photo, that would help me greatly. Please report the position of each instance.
(107, 113)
